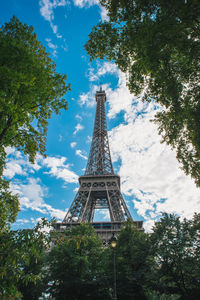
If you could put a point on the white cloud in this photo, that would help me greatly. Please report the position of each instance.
(89, 3)
(78, 127)
(88, 98)
(47, 8)
(64, 47)
(102, 69)
(73, 144)
(148, 225)
(76, 189)
(60, 169)
(32, 194)
(78, 117)
(85, 3)
(79, 153)
(60, 137)
(24, 191)
(10, 150)
(17, 164)
(52, 46)
(89, 139)
(107, 67)
(13, 168)
(55, 213)
(92, 75)
(104, 14)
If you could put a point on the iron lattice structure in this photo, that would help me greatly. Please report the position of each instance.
(99, 186)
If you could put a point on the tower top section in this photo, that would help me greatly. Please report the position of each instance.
(101, 95)
(99, 162)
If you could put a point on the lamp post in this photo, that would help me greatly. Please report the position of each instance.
(113, 242)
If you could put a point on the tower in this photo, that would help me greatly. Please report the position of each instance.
(99, 186)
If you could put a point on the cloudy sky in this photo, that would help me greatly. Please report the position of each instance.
(152, 181)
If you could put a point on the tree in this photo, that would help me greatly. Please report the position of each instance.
(35, 273)
(21, 262)
(9, 206)
(157, 44)
(76, 266)
(176, 249)
(31, 90)
(9, 203)
(133, 263)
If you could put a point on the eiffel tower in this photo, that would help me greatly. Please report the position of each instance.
(99, 186)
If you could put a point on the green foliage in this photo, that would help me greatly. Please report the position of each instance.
(133, 263)
(9, 203)
(157, 296)
(157, 44)
(9, 206)
(30, 89)
(164, 265)
(35, 273)
(176, 250)
(21, 262)
(76, 266)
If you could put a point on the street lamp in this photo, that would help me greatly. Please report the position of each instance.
(113, 243)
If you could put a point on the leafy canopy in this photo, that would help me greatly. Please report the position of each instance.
(176, 250)
(31, 89)
(21, 262)
(76, 265)
(132, 262)
(157, 44)
(9, 206)
(163, 265)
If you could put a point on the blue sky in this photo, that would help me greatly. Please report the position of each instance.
(151, 179)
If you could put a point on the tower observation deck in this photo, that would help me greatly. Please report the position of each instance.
(99, 186)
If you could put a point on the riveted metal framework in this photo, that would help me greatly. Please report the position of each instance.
(99, 161)
(99, 187)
